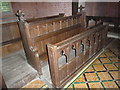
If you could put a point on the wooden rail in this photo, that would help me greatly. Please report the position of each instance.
(71, 55)
(39, 28)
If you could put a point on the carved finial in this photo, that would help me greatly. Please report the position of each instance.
(20, 15)
(81, 7)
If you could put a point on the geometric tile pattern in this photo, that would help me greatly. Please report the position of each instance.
(102, 73)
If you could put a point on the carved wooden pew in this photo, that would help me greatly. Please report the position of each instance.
(37, 34)
(68, 57)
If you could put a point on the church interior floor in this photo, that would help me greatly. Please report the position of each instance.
(16, 71)
(103, 72)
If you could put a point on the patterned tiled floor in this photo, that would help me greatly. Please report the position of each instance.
(102, 73)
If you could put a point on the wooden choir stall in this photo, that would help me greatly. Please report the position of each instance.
(65, 43)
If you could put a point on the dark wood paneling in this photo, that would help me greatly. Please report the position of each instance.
(10, 48)
(10, 31)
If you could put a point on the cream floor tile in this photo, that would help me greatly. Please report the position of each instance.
(115, 74)
(96, 62)
(99, 67)
(102, 55)
(95, 85)
(90, 69)
(91, 77)
(105, 60)
(82, 85)
(115, 59)
(34, 84)
(104, 76)
(110, 85)
(110, 66)
(80, 79)
(110, 54)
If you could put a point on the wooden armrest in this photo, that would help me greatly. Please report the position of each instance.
(33, 59)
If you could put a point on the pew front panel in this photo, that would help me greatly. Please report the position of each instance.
(68, 57)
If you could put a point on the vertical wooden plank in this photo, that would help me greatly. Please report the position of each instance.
(53, 60)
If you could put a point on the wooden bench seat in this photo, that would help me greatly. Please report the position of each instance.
(74, 29)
